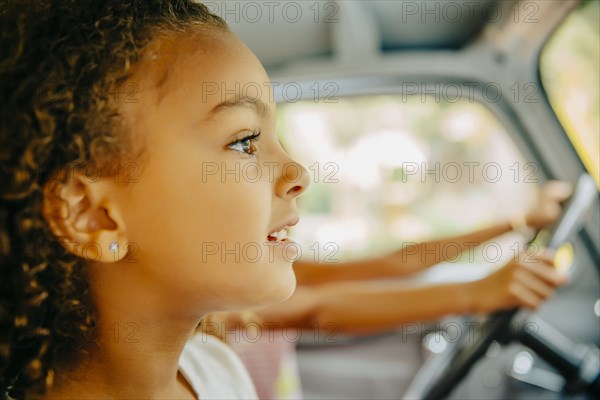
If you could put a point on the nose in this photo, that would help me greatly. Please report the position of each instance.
(293, 181)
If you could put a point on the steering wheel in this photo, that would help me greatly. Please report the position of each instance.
(551, 345)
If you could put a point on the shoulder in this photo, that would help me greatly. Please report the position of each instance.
(214, 370)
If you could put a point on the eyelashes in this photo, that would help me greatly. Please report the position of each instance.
(247, 144)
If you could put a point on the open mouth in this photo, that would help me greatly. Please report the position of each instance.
(279, 236)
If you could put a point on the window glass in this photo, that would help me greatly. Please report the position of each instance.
(569, 69)
(387, 170)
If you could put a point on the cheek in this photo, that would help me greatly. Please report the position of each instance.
(183, 214)
(234, 211)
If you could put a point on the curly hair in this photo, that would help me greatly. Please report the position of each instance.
(58, 62)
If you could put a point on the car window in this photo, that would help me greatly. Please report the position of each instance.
(569, 66)
(392, 169)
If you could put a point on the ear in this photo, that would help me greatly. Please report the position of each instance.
(85, 217)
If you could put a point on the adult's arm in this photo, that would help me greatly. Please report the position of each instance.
(415, 257)
(369, 307)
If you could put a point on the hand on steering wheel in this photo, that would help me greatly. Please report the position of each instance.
(526, 281)
(549, 204)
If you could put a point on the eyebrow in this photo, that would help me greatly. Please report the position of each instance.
(257, 105)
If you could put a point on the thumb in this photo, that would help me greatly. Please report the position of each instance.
(558, 190)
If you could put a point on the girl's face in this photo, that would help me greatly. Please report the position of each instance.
(206, 198)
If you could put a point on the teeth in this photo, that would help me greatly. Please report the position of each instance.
(280, 235)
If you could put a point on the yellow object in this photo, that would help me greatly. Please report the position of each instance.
(564, 257)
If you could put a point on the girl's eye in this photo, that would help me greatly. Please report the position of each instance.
(246, 145)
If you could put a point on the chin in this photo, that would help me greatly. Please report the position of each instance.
(280, 290)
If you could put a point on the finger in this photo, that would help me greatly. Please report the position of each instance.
(524, 297)
(545, 255)
(558, 190)
(534, 284)
(535, 254)
(544, 271)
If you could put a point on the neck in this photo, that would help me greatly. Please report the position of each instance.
(136, 350)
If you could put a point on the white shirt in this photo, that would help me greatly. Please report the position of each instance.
(214, 371)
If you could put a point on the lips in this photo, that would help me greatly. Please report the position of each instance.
(279, 234)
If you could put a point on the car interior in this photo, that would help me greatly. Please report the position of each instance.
(426, 119)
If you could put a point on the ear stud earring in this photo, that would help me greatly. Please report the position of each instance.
(113, 247)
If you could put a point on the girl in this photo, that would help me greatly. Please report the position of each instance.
(123, 219)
